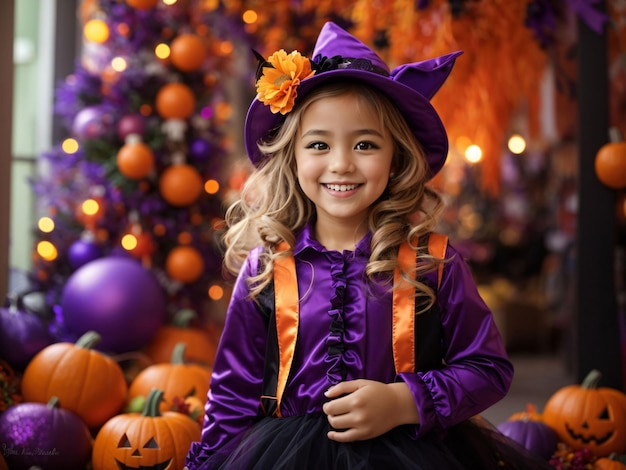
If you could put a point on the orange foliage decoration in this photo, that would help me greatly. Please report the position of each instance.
(500, 71)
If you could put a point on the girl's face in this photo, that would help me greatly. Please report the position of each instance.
(343, 158)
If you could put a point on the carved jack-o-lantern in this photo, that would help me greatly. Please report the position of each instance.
(587, 416)
(149, 440)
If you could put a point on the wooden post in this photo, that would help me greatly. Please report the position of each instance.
(7, 15)
(597, 326)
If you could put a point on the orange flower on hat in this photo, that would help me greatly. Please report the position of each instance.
(277, 86)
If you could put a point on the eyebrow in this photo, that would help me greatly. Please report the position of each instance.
(320, 132)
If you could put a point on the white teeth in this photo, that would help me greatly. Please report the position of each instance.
(342, 187)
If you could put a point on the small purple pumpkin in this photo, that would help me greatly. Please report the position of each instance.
(46, 436)
(22, 335)
(535, 436)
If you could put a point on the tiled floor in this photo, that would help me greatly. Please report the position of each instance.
(537, 377)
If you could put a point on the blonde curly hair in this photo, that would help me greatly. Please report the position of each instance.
(273, 207)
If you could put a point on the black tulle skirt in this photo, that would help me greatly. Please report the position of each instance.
(300, 443)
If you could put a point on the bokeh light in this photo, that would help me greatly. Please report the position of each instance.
(473, 153)
(47, 250)
(46, 224)
(517, 144)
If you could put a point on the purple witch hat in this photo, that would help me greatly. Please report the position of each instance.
(287, 78)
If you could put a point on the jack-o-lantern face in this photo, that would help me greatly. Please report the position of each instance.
(149, 447)
(592, 430)
(146, 441)
(587, 416)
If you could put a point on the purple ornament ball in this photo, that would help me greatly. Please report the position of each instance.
(93, 122)
(82, 252)
(131, 124)
(116, 297)
(44, 436)
(22, 335)
(200, 150)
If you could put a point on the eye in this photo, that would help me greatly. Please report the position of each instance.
(151, 444)
(317, 146)
(366, 145)
(124, 442)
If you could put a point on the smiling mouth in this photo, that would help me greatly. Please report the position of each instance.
(342, 187)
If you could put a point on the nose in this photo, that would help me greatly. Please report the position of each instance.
(341, 161)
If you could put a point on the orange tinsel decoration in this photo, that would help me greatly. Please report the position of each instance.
(499, 72)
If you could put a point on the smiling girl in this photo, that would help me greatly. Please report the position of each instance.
(355, 336)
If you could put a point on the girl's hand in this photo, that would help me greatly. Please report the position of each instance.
(368, 409)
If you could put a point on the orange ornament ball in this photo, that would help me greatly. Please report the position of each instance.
(187, 52)
(610, 165)
(135, 160)
(180, 185)
(184, 263)
(175, 101)
(142, 4)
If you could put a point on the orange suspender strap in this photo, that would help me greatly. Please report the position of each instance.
(403, 304)
(287, 318)
(403, 330)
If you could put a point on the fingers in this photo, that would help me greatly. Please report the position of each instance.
(350, 435)
(343, 388)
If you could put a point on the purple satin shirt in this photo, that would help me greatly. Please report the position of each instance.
(477, 372)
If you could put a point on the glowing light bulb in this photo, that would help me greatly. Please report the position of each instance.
(517, 144)
(119, 64)
(47, 250)
(70, 146)
(96, 31)
(90, 207)
(162, 51)
(250, 16)
(129, 242)
(46, 224)
(473, 153)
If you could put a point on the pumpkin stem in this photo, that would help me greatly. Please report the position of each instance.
(531, 408)
(151, 407)
(592, 380)
(178, 353)
(615, 135)
(183, 317)
(53, 402)
(88, 340)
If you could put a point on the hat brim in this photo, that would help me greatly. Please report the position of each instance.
(420, 115)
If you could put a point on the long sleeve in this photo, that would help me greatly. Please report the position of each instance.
(477, 372)
(233, 399)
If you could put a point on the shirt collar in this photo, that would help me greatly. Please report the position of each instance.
(305, 240)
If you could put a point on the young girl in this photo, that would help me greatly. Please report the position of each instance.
(354, 337)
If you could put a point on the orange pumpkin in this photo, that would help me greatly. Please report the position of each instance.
(176, 379)
(200, 346)
(146, 440)
(612, 462)
(530, 414)
(587, 416)
(86, 381)
(3, 463)
(610, 162)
